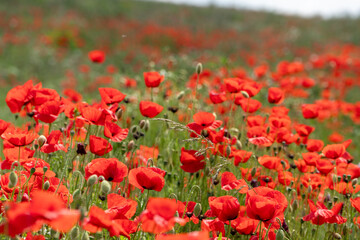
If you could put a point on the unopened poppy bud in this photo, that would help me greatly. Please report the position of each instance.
(45, 168)
(46, 185)
(41, 140)
(335, 199)
(92, 180)
(295, 205)
(253, 172)
(228, 150)
(119, 113)
(101, 178)
(238, 144)
(85, 236)
(147, 125)
(74, 233)
(245, 94)
(142, 124)
(32, 171)
(130, 145)
(334, 178)
(283, 163)
(105, 187)
(76, 194)
(133, 129)
(180, 95)
(13, 180)
(309, 189)
(354, 182)
(280, 235)
(199, 68)
(337, 236)
(197, 209)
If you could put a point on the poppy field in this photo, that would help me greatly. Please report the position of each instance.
(182, 122)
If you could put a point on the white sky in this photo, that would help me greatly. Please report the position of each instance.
(326, 8)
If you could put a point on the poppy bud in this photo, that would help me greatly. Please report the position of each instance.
(337, 236)
(334, 178)
(245, 94)
(197, 209)
(142, 124)
(76, 194)
(199, 68)
(92, 180)
(147, 125)
(228, 150)
(280, 235)
(85, 236)
(13, 180)
(130, 145)
(46, 185)
(335, 199)
(309, 189)
(105, 187)
(101, 178)
(45, 168)
(41, 140)
(133, 129)
(74, 233)
(180, 95)
(253, 172)
(32, 171)
(354, 182)
(295, 205)
(119, 113)
(238, 144)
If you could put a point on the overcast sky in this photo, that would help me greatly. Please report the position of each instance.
(326, 8)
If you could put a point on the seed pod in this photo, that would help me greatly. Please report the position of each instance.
(105, 187)
(13, 179)
(245, 94)
(74, 233)
(197, 209)
(142, 124)
(46, 185)
(280, 235)
(76, 194)
(41, 140)
(92, 180)
(199, 68)
(130, 145)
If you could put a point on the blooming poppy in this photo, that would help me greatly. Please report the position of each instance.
(18, 96)
(110, 168)
(99, 146)
(217, 97)
(314, 145)
(150, 109)
(248, 105)
(147, 178)
(120, 207)
(3, 126)
(310, 111)
(241, 156)
(275, 95)
(203, 235)
(97, 56)
(159, 216)
(152, 79)
(52, 143)
(320, 214)
(265, 204)
(190, 161)
(229, 182)
(226, 208)
(18, 137)
(114, 132)
(334, 151)
(111, 95)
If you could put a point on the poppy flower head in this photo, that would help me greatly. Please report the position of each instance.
(97, 56)
(110, 168)
(150, 109)
(147, 178)
(275, 95)
(152, 79)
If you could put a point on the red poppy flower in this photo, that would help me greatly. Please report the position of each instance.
(304, 130)
(241, 156)
(187, 207)
(203, 235)
(275, 95)
(190, 162)
(334, 151)
(319, 214)
(48, 112)
(310, 158)
(111, 95)
(99, 146)
(120, 207)
(270, 162)
(217, 97)
(215, 226)
(324, 166)
(97, 56)
(314, 145)
(110, 168)
(18, 137)
(18, 96)
(3, 126)
(265, 204)
(147, 178)
(159, 216)
(232, 84)
(310, 111)
(226, 208)
(285, 177)
(52, 143)
(39, 96)
(150, 109)
(229, 182)
(355, 202)
(248, 105)
(114, 132)
(152, 79)
(73, 95)
(244, 225)
(204, 119)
